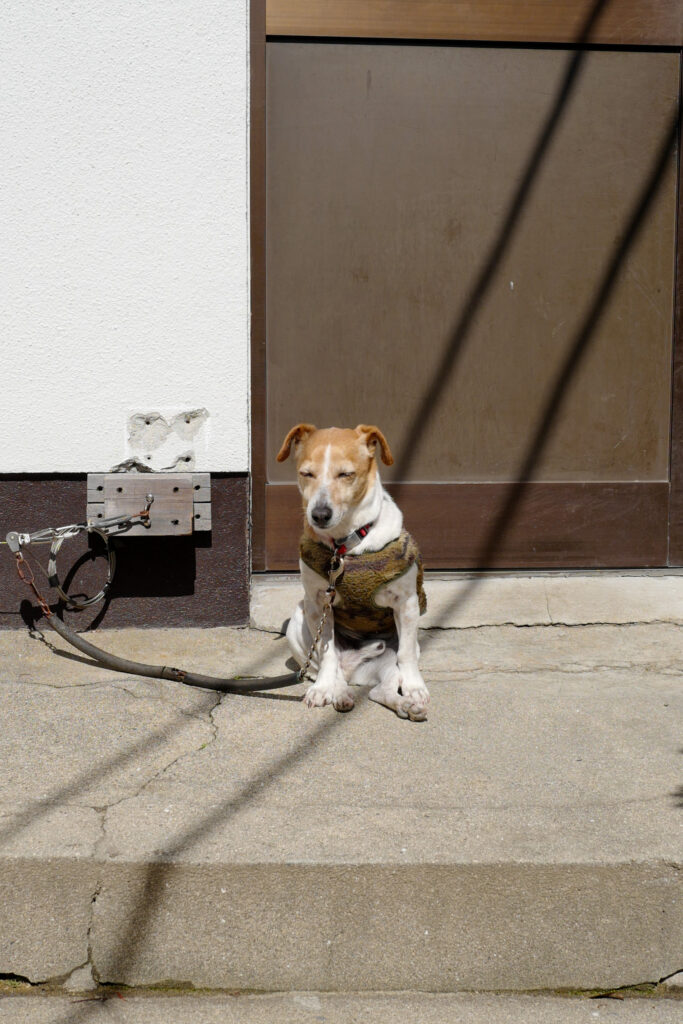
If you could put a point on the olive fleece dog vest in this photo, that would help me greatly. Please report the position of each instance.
(355, 611)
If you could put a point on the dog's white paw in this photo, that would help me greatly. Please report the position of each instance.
(343, 701)
(413, 708)
(319, 696)
(393, 694)
(413, 696)
(411, 684)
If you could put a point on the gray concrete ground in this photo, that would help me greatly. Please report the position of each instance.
(528, 836)
(313, 1008)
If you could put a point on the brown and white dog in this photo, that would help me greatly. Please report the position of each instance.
(345, 506)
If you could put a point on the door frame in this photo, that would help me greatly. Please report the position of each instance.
(257, 233)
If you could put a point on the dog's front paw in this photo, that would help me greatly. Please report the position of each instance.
(319, 696)
(343, 701)
(414, 696)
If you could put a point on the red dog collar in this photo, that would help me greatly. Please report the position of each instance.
(342, 546)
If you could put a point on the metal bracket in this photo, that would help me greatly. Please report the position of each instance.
(182, 501)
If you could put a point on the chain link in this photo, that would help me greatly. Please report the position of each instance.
(303, 671)
(25, 574)
(336, 570)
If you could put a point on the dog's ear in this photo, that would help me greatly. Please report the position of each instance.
(296, 435)
(373, 436)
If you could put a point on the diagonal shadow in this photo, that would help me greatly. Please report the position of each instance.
(487, 274)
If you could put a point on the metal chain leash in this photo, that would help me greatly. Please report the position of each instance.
(336, 570)
(302, 674)
(25, 574)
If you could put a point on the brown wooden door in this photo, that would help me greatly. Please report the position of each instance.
(474, 247)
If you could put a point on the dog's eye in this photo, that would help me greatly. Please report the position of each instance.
(306, 473)
(348, 476)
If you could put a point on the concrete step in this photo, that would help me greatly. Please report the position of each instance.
(312, 1008)
(528, 836)
(462, 600)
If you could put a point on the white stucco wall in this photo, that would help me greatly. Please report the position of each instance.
(124, 245)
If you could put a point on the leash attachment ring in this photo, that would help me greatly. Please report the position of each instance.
(53, 578)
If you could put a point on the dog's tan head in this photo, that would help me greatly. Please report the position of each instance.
(336, 470)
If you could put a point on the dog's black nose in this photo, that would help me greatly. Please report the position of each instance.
(321, 515)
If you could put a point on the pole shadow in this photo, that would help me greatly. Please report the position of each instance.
(500, 245)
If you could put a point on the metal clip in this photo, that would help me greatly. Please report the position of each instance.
(16, 540)
(336, 570)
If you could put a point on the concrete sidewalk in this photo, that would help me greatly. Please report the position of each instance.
(313, 1008)
(528, 836)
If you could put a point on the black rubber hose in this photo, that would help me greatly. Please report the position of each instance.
(232, 685)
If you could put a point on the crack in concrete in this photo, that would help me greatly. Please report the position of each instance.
(52, 686)
(188, 753)
(160, 695)
(173, 988)
(214, 723)
(547, 603)
(61, 981)
(91, 923)
(104, 809)
(102, 813)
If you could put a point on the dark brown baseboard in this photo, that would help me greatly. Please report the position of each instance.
(202, 580)
(503, 526)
